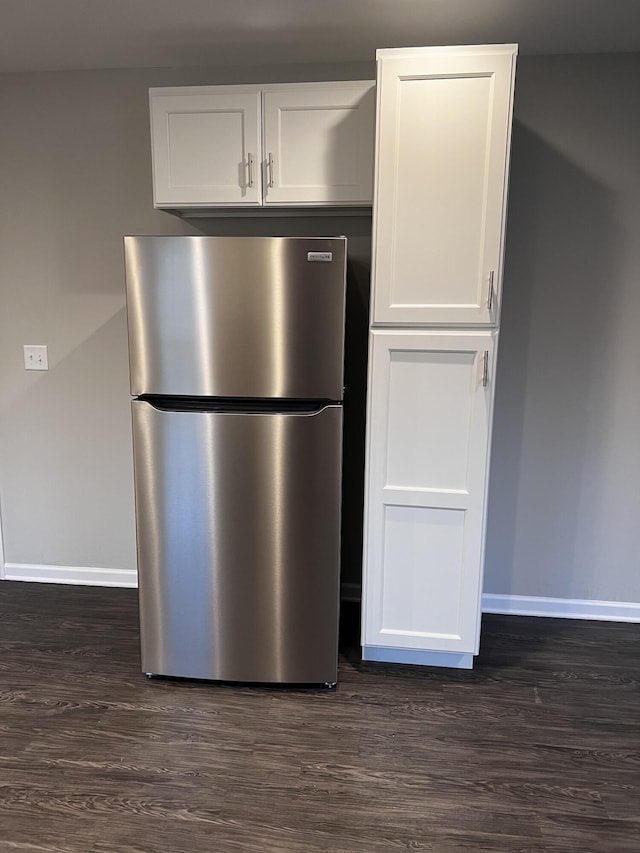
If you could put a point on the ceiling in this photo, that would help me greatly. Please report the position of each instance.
(46, 35)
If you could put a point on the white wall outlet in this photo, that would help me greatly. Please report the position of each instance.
(35, 357)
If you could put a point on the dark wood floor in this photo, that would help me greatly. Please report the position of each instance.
(537, 749)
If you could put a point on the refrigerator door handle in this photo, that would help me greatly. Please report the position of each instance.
(237, 406)
(320, 410)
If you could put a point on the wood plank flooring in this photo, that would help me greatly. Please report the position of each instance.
(537, 749)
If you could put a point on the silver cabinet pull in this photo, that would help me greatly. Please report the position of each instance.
(491, 291)
(485, 369)
(270, 170)
(250, 169)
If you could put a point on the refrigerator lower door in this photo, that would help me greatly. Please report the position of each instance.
(238, 532)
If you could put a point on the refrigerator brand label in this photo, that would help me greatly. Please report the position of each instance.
(319, 256)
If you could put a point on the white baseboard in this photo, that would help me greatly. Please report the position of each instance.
(2, 565)
(564, 608)
(517, 605)
(528, 605)
(84, 576)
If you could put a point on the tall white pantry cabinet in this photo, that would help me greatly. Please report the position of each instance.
(442, 161)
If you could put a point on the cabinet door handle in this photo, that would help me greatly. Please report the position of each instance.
(485, 369)
(250, 169)
(270, 170)
(491, 290)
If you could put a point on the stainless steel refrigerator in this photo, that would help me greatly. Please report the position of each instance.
(236, 362)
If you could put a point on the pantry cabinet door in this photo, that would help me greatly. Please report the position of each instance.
(428, 440)
(442, 160)
(318, 144)
(206, 147)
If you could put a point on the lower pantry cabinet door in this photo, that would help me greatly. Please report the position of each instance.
(429, 418)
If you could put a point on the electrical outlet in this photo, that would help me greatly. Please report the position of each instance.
(35, 357)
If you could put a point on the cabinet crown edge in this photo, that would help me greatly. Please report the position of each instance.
(249, 88)
(446, 50)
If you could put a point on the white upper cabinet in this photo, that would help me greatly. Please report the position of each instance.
(444, 127)
(287, 145)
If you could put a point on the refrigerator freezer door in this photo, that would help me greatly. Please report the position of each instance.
(238, 523)
(236, 316)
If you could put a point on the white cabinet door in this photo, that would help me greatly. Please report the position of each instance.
(441, 180)
(318, 143)
(428, 439)
(206, 147)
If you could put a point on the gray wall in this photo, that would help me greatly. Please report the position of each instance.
(564, 510)
(75, 176)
